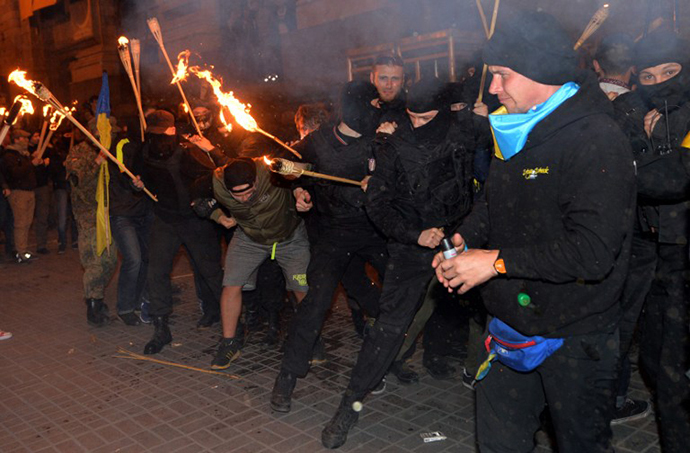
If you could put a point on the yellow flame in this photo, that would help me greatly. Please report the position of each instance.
(267, 161)
(19, 77)
(227, 126)
(27, 106)
(46, 110)
(182, 65)
(3, 110)
(123, 41)
(237, 109)
(184, 107)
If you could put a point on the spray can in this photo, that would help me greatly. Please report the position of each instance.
(448, 249)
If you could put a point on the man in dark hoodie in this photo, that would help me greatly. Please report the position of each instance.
(177, 176)
(656, 119)
(421, 184)
(550, 243)
(345, 233)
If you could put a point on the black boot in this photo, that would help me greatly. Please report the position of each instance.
(281, 397)
(97, 312)
(208, 319)
(405, 375)
(335, 433)
(161, 336)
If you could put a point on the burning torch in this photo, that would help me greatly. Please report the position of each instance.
(41, 92)
(123, 50)
(46, 114)
(55, 121)
(227, 100)
(155, 28)
(594, 23)
(21, 105)
(290, 168)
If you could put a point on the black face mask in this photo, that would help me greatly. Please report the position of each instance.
(162, 146)
(673, 92)
(435, 130)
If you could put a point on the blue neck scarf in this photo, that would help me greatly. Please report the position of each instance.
(510, 130)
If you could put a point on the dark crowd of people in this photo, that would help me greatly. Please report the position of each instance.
(548, 222)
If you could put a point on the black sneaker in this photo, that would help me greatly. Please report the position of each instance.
(631, 410)
(318, 355)
(468, 380)
(228, 350)
(438, 368)
(24, 258)
(380, 388)
(404, 374)
(130, 319)
(335, 433)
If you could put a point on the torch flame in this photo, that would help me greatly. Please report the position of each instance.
(227, 100)
(184, 107)
(46, 110)
(268, 161)
(19, 77)
(123, 41)
(3, 110)
(182, 65)
(226, 124)
(27, 106)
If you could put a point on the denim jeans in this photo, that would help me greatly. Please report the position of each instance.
(131, 236)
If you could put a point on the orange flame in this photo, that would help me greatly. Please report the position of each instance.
(19, 77)
(46, 110)
(57, 118)
(268, 161)
(226, 124)
(227, 100)
(182, 65)
(3, 110)
(123, 41)
(184, 107)
(27, 106)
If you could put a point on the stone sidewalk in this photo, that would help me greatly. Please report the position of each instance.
(63, 390)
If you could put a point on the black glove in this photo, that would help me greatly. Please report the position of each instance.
(203, 207)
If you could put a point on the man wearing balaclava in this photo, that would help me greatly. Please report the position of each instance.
(656, 119)
(177, 176)
(346, 237)
(421, 184)
(549, 244)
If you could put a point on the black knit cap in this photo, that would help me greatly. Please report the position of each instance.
(427, 95)
(535, 45)
(659, 47)
(159, 121)
(238, 172)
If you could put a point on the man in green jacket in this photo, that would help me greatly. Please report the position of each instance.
(268, 227)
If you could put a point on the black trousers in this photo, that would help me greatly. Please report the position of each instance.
(665, 346)
(643, 260)
(331, 256)
(201, 243)
(408, 274)
(577, 382)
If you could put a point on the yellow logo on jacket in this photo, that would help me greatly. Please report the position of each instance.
(532, 173)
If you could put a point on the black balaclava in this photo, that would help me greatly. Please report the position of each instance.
(535, 45)
(657, 48)
(238, 172)
(355, 107)
(425, 96)
(162, 146)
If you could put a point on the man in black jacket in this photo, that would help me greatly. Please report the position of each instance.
(177, 176)
(420, 186)
(656, 119)
(550, 242)
(345, 232)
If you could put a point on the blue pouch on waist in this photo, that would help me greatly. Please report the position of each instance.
(515, 350)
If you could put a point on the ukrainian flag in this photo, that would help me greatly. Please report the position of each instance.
(103, 236)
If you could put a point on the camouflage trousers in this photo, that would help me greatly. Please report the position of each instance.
(98, 270)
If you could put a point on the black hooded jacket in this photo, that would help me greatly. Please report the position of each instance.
(420, 184)
(560, 212)
(663, 182)
(333, 154)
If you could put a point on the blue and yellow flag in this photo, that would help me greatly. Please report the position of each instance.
(103, 236)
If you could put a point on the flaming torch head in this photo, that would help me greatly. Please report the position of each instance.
(280, 166)
(122, 42)
(46, 111)
(21, 103)
(182, 65)
(19, 78)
